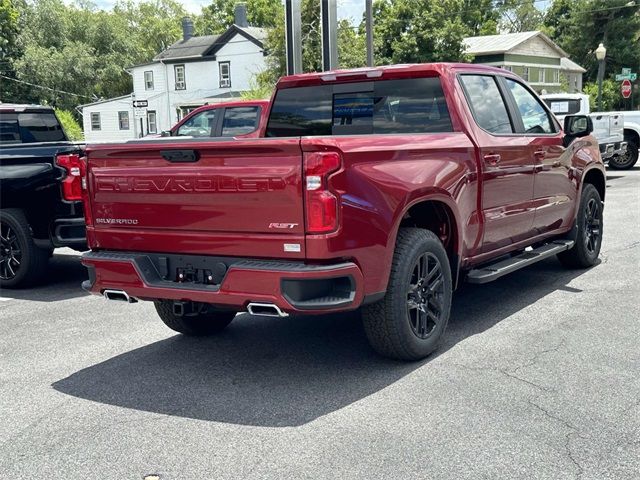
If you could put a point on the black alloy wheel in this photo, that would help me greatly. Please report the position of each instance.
(592, 222)
(425, 296)
(10, 252)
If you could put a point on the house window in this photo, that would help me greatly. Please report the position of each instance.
(556, 76)
(181, 83)
(507, 68)
(225, 74)
(152, 124)
(541, 74)
(148, 80)
(525, 74)
(95, 121)
(123, 120)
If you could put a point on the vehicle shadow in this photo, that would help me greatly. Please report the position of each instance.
(62, 281)
(287, 372)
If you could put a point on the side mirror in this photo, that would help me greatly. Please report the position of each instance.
(165, 133)
(578, 125)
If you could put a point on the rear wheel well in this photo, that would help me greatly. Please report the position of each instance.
(438, 218)
(596, 178)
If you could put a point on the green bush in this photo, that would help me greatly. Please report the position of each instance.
(70, 125)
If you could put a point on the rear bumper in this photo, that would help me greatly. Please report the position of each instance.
(295, 287)
(610, 149)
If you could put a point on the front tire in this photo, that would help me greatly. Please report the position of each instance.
(408, 323)
(22, 263)
(626, 161)
(586, 250)
(205, 321)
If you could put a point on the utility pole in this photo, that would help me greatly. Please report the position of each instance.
(329, 22)
(293, 34)
(369, 33)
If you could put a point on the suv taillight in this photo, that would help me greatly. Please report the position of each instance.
(321, 205)
(75, 180)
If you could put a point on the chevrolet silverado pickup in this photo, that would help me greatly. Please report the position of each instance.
(381, 188)
(40, 192)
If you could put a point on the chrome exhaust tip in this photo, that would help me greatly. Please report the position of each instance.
(118, 296)
(266, 310)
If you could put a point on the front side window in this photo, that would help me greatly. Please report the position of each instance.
(148, 80)
(384, 106)
(487, 104)
(181, 82)
(225, 74)
(123, 120)
(240, 121)
(95, 121)
(9, 130)
(200, 125)
(152, 124)
(534, 117)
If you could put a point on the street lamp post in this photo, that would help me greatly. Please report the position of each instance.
(601, 53)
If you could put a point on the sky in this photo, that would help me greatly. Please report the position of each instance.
(346, 8)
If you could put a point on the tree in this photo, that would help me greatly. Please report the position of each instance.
(70, 125)
(419, 31)
(611, 98)
(578, 26)
(520, 16)
(219, 15)
(10, 50)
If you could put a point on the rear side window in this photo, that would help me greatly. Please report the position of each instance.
(9, 130)
(386, 106)
(487, 104)
(239, 121)
(40, 127)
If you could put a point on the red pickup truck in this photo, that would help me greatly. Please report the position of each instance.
(381, 188)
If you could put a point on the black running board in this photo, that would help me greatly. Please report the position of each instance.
(491, 272)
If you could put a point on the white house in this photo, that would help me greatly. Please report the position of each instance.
(190, 73)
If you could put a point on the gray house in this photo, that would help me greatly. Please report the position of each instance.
(531, 55)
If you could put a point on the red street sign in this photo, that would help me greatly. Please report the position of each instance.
(625, 88)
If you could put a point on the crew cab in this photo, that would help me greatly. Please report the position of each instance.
(241, 119)
(382, 188)
(617, 132)
(40, 192)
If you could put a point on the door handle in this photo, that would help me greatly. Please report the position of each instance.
(180, 156)
(540, 154)
(492, 159)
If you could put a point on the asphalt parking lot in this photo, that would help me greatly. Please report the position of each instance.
(539, 377)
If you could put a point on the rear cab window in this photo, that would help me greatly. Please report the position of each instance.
(487, 104)
(563, 106)
(240, 121)
(30, 127)
(414, 105)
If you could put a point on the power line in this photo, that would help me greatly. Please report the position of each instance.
(46, 88)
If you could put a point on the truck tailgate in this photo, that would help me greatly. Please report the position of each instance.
(196, 194)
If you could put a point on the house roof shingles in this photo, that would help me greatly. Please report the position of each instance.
(490, 44)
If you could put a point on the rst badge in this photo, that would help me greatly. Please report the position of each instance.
(283, 226)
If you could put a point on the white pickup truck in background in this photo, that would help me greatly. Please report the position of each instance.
(618, 133)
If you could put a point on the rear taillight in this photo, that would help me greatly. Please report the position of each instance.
(75, 180)
(321, 207)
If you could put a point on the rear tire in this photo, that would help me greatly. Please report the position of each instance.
(626, 161)
(408, 323)
(586, 250)
(22, 263)
(206, 321)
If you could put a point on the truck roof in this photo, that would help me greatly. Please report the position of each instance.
(23, 107)
(386, 71)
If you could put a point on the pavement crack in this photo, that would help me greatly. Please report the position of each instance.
(573, 431)
(538, 355)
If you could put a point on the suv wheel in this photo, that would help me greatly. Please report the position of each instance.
(21, 261)
(408, 323)
(204, 320)
(586, 250)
